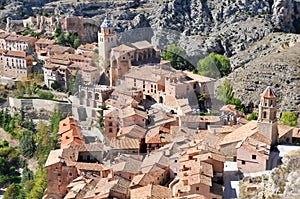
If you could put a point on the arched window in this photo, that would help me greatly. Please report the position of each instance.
(264, 114)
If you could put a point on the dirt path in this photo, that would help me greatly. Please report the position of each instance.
(5, 136)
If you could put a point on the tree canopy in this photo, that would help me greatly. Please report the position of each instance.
(214, 66)
(12, 192)
(178, 57)
(226, 92)
(70, 39)
(252, 116)
(75, 82)
(226, 95)
(27, 144)
(288, 118)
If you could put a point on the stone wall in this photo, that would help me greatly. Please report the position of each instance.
(39, 108)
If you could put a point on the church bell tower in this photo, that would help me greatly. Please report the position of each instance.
(267, 121)
(107, 39)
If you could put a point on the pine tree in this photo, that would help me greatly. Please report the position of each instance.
(27, 144)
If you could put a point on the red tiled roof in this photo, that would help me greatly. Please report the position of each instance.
(296, 133)
(54, 157)
(240, 133)
(90, 166)
(268, 93)
(124, 143)
(45, 41)
(123, 47)
(133, 131)
(3, 35)
(151, 191)
(284, 129)
(15, 54)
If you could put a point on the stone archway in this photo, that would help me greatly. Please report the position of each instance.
(89, 98)
(161, 100)
(97, 96)
(81, 97)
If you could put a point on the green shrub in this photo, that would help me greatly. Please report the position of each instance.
(45, 94)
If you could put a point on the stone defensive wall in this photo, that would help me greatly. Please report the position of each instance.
(39, 108)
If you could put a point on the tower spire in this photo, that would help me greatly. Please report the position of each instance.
(106, 22)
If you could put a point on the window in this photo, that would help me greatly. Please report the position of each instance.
(265, 114)
(110, 124)
(70, 174)
(197, 188)
(243, 162)
(175, 160)
(110, 130)
(254, 157)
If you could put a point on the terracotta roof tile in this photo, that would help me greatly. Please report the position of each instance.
(155, 158)
(198, 78)
(122, 48)
(11, 53)
(88, 47)
(256, 146)
(151, 192)
(54, 157)
(240, 133)
(133, 131)
(199, 118)
(130, 165)
(268, 93)
(142, 180)
(130, 111)
(296, 133)
(90, 166)
(142, 44)
(121, 186)
(45, 41)
(3, 35)
(124, 143)
(284, 129)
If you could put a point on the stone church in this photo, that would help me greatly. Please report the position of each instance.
(115, 60)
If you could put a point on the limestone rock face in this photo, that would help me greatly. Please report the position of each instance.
(284, 181)
(212, 26)
(273, 61)
(284, 14)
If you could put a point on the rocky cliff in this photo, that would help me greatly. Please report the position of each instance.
(240, 29)
(273, 61)
(281, 182)
(200, 26)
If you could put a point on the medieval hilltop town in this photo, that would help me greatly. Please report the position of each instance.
(133, 127)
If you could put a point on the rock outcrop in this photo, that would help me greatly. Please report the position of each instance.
(282, 182)
(284, 15)
(273, 61)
